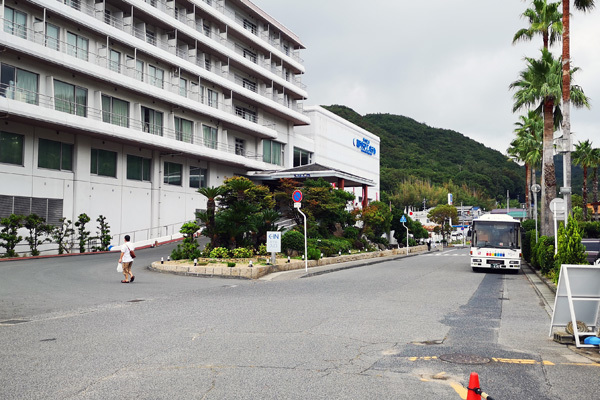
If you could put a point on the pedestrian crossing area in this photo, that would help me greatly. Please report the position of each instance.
(446, 254)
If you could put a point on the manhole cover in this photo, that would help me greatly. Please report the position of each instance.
(13, 321)
(464, 359)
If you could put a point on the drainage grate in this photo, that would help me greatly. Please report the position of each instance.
(135, 301)
(457, 358)
(13, 321)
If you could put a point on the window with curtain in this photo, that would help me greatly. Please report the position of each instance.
(55, 155)
(77, 46)
(18, 84)
(301, 157)
(183, 130)
(240, 146)
(210, 136)
(104, 163)
(70, 98)
(115, 111)
(15, 22)
(139, 70)
(156, 76)
(212, 98)
(198, 177)
(248, 115)
(11, 148)
(114, 63)
(152, 121)
(173, 173)
(138, 168)
(52, 36)
(272, 152)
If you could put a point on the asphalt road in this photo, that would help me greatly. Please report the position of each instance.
(400, 329)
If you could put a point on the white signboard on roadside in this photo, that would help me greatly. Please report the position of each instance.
(273, 242)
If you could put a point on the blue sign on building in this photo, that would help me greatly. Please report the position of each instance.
(364, 146)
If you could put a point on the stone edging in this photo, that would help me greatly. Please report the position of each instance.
(258, 271)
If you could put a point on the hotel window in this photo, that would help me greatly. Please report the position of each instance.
(115, 111)
(246, 114)
(152, 121)
(183, 130)
(55, 155)
(210, 136)
(286, 49)
(248, 84)
(272, 152)
(138, 168)
(156, 76)
(198, 177)
(302, 157)
(250, 26)
(250, 55)
(77, 46)
(207, 63)
(151, 38)
(104, 163)
(240, 147)
(139, 70)
(173, 173)
(70, 98)
(18, 84)
(76, 4)
(114, 63)
(52, 36)
(151, 2)
(15, 22)
(11, 148)
(206, 30)
(212, 98)
(183, 87)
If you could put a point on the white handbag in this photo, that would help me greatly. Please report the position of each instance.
(119, 267)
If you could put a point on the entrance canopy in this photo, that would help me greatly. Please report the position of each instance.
(314, 171)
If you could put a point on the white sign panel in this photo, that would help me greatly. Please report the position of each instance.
(273, 242)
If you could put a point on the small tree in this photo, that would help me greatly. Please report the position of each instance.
(189, 248)
(103, 233)
(37, 228)
(83, 235)
(442, 215)
(570, 249)
(9, 233)
(61, 233)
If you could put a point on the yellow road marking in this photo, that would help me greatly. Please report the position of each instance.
(460, 389)
(514, 361)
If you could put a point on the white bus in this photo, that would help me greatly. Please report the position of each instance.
(496, 243)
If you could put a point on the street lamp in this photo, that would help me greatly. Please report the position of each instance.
(535, 189)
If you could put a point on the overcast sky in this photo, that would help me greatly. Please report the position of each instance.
(444, 63)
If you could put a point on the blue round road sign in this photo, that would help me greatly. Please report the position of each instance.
(297, 196)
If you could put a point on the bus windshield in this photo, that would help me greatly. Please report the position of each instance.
(500, 235)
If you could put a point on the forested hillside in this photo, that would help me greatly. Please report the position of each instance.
(420, 161)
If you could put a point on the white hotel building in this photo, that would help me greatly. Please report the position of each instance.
(124, 108)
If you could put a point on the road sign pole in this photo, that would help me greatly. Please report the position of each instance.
(297, 206)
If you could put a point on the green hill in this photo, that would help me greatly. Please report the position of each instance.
(439, 158)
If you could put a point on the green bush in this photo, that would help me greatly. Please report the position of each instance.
(570, 248)
(231, 264)
(528, 225)
(292, 240)
(528, 243)
(543, 254)
(330, 247)
(351, 232)
(219, 252)
(313, 253)
(186, 251)
(262, 249)
(242, 252)
(590, 230)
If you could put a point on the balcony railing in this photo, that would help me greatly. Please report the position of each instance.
(195, 138)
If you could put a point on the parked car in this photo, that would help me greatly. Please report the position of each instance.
(592, 249)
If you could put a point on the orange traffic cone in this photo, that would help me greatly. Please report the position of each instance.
(474, 391)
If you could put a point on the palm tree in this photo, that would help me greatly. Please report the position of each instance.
(211, 194)
(544, 19)
(527, 147)
(584, 156)
(595, 165)
(582, 5)
(540, 85)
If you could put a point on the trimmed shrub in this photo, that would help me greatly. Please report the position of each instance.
(543, 254)
(292, 240)
(262, 249)
(219, 252)
(242, 252)
(590, 230)
(528, 243)
(528, 225)
(231, 264)
(351, 232)
(313, 253)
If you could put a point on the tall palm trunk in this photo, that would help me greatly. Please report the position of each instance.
(548, 172)
(595, 192)
(527, 188)
(566, 97)
(585, 202)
